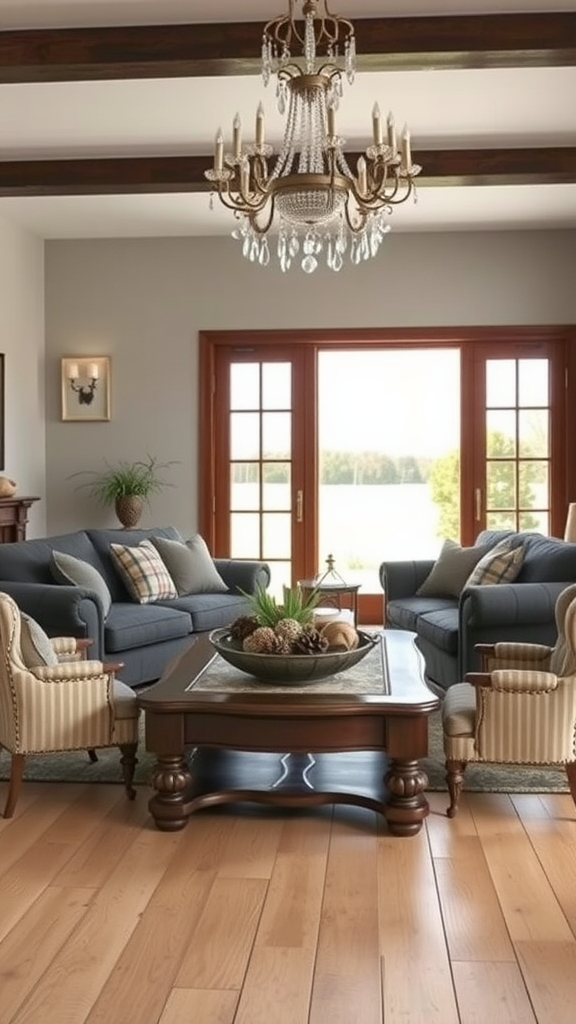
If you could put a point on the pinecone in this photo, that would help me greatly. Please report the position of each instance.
(310, 641)
(288, 630)
(283, 645)
(243, 627)
(262, 641)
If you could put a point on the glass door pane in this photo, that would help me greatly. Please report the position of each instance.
(518, 448)
(261, 457)
(389, 456)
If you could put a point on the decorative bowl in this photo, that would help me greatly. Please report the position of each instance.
(290, 668)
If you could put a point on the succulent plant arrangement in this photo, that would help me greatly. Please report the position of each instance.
(288, 627)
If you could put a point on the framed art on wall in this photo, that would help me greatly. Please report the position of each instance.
(86, 388)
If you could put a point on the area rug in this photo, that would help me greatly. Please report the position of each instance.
(76, 767)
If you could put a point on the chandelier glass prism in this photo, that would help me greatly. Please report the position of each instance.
(309, 197)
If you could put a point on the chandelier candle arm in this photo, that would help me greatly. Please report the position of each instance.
(377, 125)
(309, 196)
(219, 152)
(391, 133)
(237, 137)
(407, 152)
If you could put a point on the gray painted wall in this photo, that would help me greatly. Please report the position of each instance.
(22, 342)
(143, 302)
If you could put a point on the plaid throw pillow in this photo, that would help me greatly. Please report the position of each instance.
(143, 572)
(500, 565)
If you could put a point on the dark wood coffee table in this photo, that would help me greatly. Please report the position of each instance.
(254, 745)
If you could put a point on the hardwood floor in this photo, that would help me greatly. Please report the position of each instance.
(257, 916)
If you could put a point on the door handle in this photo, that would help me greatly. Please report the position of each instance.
(299, 506)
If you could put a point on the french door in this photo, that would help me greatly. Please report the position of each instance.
(458, 434)
(515, 436)
(264, 457)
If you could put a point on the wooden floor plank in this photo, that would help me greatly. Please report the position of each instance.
(141, 981)
(347, 975)
(412, 932)
(549, 970)
(473, 921)
(205, 1007)
(38, 809)
(286, 917)
(279, 977)
(493, 992)
(104, 848)
(554, 842)
(527, 899)
(219, 948)
(250, 850)
(28, 951)
(28, 876)
(72, 983)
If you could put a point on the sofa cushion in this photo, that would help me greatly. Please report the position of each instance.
(406, 612)
(451, 570)
(132, 625)
(75, 571)
(144, 572)
(28, 561)
(440, 628)
(501, 565)
(548, 560)
(190, 565)
(210, 611)
(35, 646)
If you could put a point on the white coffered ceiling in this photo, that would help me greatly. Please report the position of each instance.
(466, 108)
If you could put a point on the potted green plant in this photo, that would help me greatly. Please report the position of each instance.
(127, 486)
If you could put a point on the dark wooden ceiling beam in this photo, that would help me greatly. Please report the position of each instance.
(134, 175)
(161, 51)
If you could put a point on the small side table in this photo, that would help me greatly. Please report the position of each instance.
(331, 594)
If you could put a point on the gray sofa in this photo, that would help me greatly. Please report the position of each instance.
(448, 628)
(142, 636)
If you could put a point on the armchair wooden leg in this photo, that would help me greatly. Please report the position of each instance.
(571, 776)
(129, 762)
(15, 784)
(455, 779)
(92, 755)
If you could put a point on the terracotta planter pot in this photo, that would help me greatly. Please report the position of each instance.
(129, 509)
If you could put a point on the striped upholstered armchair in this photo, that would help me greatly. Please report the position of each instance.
(521, 709)
(52, 701)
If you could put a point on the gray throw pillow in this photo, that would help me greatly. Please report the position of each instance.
(35, 645)
(68, 569)
(451, 570)
(190, 565)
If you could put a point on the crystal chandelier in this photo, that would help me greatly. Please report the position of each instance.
(320, 207)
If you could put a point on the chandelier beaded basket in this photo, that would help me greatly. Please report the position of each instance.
(317, 205)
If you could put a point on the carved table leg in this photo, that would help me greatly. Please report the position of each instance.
(171, 780)
(406, 806)
(455, 780)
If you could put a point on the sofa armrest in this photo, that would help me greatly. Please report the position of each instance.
(61, 610)
(243, 575)
(514, 612)
(402, 578)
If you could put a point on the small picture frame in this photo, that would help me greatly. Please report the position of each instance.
(86, 388)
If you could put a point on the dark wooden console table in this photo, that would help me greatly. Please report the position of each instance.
(14, 518)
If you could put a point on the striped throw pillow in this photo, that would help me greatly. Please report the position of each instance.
(143, 572)
(500, 565)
